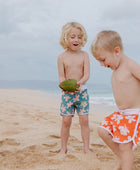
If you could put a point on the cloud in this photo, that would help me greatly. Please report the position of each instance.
(30, 32)
(124, 10)
(123, 16)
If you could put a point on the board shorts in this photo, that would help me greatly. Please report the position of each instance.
(124, 126)
(78, 101)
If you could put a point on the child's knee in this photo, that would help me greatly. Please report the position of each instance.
(66, 122)
(84, 122)
(101, 132)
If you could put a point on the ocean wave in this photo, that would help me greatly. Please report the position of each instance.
(102, 100)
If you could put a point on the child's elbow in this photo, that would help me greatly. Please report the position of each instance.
(87, 76)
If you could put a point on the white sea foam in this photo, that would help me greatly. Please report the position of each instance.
(101, 96)
(95, 99)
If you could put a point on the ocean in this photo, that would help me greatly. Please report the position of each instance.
(99, 93)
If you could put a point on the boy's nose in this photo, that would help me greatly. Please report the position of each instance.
(76, 39)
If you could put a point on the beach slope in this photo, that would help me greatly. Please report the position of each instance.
(30, 135)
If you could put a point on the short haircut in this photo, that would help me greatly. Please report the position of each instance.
(106, 40)
(65, 30)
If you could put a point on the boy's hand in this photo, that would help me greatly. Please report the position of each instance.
(78, 89)
(68, 92)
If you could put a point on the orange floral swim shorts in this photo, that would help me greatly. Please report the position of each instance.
(124, 126)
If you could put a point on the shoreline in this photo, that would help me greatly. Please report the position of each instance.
(30, 134)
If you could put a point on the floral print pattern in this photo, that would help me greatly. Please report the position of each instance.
(123, 128)
(78, 101)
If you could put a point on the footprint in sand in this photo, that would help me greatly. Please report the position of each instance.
(78, 148)
(55, 162)
(74, 139)
(4, 153)
(99, 145)
(52, 143)
(16, 123)
(53, 147)
(11, 132)
(55, 151)
(32, 148)
(49, 145)
(9, 142)
(55, 136)
(70, 156)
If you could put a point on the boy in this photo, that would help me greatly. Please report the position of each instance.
(121, 130)
(74, 64)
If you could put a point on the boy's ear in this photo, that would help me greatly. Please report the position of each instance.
(117, 50)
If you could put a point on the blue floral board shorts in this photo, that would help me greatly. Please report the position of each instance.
(78, 101)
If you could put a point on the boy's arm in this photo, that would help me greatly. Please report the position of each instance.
(135, 69)
(86, 70)
(60, 69)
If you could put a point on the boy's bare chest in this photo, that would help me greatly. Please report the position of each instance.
(121, 78)
(73, 62)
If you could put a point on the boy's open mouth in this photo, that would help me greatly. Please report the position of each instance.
(75, 44)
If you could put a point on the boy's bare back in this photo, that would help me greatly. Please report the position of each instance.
(126, 84)
(74, 65)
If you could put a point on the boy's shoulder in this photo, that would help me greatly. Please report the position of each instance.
(62, 55)
(132, 65)
(131, 62)
(84, 52)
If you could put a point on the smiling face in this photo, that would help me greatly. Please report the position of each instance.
(109, 59)
(74, 39)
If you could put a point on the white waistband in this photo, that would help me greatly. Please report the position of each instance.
(83, 87)
(129, 111)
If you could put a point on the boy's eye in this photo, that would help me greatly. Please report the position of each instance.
(80, 37)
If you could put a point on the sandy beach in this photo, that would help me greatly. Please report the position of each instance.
(30, 126)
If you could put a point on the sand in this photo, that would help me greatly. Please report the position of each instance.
(30, 135)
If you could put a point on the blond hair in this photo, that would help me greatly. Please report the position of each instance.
(106, 40)
(65, 30)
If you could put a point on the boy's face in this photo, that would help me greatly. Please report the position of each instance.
(108, 59)
(74, 39)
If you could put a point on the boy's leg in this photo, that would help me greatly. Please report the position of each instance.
(126, 155)
(66, 123)
(107, 138)
(83, 119)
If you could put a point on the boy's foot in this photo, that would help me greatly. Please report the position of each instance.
(63, 151)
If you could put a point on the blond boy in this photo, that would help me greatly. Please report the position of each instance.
(121, 130)
(73, 63)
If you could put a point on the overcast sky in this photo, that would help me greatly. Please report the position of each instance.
(30, 32)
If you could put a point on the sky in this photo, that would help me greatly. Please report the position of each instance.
(30, 32)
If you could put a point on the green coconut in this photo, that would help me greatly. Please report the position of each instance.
(69, 85)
